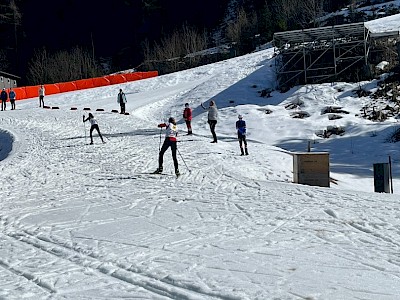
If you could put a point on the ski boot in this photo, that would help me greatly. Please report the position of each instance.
(247, 153)
(158, 171)
(241, 149)
(177, 173)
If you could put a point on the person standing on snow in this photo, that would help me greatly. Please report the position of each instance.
(12, 97)
(171, 134)
(121, 100)
(187, 115)
(41, 95)
(241, 131)
(94, 125)
(212, 118)
(3, 97)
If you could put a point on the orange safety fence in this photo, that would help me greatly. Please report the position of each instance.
(84, 84)
(100, 81)
(50, 89)
(115, 79)
(67, 86)
(133, 76)
(149, 74)
(20, 93)
(33, 91)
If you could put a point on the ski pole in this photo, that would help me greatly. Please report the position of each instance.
(159, 145)
(183, 160)
(84, 128)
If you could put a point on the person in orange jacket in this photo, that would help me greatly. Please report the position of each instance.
(171, 133)
(187, 115)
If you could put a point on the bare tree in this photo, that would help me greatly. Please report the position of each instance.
(3, 60)
(62, 66)
(243, 29)
(298, 12)
(10, 19)
(312, 10)
(37, 67)
(171, 50)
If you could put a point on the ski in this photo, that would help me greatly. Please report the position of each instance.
(163, 174)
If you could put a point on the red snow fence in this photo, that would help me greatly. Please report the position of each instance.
(67, 86)
(20, 93)
(31, 91)
(100, 81)
(62, 87)
(84, 84)
(51, 89)
(116, 79)
(133, 76)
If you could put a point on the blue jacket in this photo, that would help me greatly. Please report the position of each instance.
(3, 96)
(12, 95)
(241, 127)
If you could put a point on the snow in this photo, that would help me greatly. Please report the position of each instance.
(87, 222)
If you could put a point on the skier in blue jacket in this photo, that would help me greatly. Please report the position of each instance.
(241, 131)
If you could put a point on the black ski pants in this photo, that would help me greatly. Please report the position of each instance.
(242, 140)
(212, 124)
(122, 105)
(93, 127)
(168, 143)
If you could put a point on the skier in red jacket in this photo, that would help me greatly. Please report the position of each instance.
(187, 115)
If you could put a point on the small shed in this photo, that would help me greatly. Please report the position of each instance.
(8, 80)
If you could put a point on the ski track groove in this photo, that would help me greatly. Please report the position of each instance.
(27, 276)
(130, 275)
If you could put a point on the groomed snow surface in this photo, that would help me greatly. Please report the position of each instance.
(82, 221)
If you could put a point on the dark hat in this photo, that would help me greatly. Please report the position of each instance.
(171, 120)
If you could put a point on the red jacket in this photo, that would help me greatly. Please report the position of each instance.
(187, 114)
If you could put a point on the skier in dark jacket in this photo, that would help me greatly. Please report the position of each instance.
(171, 134)
(3, 97)
(94, 125)
(121, 100)
(241, 131)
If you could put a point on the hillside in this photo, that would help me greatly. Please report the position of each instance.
(85, 221)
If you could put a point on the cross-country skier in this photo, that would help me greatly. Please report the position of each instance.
(171, 134)
(187, 115)
(212, 118)
(241, 131)
(94, 125)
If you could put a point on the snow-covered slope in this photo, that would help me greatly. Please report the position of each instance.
(88, 222)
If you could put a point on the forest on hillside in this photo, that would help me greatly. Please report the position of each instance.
(70, 39)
